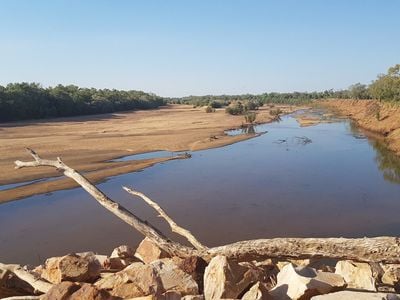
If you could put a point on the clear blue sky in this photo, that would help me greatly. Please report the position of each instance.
(177, 48)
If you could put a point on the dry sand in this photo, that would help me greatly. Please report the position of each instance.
(87, 143)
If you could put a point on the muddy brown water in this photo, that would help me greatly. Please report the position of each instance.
(275, 185)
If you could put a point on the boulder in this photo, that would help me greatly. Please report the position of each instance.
(71, 267)
(391, 275)
(173, 278)
(194, 266)
(226, 279)
(303, 283)
(91, 292)
(124, 252)
(67, 290)
(357, 275)
(139, 280)
(356, 295)
(148, 252)
(257, 292)
(61, 291)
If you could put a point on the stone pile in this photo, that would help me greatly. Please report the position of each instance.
(148, 273)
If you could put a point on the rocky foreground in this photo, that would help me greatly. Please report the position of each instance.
(150, 273)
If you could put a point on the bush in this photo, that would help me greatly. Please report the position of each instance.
(235, 108)
(275, 112)
(251, 105)
(215, 104)
(209, 109)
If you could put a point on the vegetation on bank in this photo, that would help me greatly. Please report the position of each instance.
(21, 101)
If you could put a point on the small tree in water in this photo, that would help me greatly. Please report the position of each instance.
(250, 117)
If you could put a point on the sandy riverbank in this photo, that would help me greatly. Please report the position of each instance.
(378, 117)
(87, 143)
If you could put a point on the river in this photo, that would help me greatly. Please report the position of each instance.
(327, 180)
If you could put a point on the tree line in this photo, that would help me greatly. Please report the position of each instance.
(21, 101)
(385, 88)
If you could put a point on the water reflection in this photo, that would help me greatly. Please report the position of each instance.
(387, 162)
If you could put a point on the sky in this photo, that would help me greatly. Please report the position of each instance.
(179, 48)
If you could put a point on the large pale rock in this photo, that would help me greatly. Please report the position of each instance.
(194, 266)
(71, 267)
(148, 252)
(391, 275)
(356, 275)
(124, 252)
(353, 295)
(303, 283)
(173, 278)
(226, 279)
(257, 292)
(139, 280)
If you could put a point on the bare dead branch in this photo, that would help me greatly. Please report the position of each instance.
(121, 212)
(36, 282)
(174, 227)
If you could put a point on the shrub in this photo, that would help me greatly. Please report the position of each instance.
(209, 109)
(235, 108)
(215, 104)
(275, 112)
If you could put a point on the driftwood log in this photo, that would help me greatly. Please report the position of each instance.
(377, 249)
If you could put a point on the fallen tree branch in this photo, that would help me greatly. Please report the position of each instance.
(36, 282)
(378, 249)
(174, 227)
(121, 212)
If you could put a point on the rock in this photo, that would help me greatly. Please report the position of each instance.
(61, 291)
(71, 267)
(193, 297)
(148, 252)
(391, 275)
(194, 266)
(137, 280)
(11, 285)
(67, 290)
(352, 295)
(257, 292)
(173, 278)
(90, 292)
(171, 295)
(356, 275)
(226, 279)
(124, 252)
(303, 283)
(117, 264)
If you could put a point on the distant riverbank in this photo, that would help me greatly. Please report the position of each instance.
(378, 117)
(89, 143)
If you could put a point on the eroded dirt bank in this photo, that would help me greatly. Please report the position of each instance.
(88, 143)
(375, 116)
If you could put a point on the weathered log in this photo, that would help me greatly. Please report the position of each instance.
(378, 249)
(22, 298)
(36, 282)
(174, 227)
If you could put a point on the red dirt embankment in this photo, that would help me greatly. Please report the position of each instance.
(375, 116)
